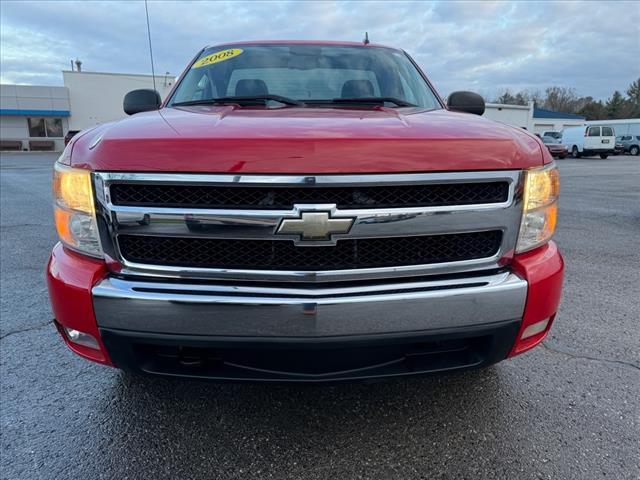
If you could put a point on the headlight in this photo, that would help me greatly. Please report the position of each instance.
(540, 210)
(74, 210)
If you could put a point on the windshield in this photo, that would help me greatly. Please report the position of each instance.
(305, 73)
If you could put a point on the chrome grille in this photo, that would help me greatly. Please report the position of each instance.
(224, 226)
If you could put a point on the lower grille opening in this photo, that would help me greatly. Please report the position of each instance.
(311, 363)
(284, 255)
(309, 359)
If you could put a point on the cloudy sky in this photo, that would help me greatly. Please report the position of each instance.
(591, 46)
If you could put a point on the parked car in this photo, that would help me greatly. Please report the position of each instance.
(304, 212)
(555, 135)
(590, 140)
(618, 149)
(555, 149)
(629, 144)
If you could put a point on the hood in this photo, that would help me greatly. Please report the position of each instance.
(227, 139)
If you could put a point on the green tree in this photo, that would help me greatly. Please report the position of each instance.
(592, 110)
(615, 106)
(634, 98)
(634, 91)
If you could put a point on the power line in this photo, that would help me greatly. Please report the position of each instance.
(153, 73)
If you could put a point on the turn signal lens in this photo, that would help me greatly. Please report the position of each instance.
(74, 210)
(72, 188)
(535, 329)
(540, 209)
(81, 338)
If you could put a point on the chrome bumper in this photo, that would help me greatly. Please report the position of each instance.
(273, 311)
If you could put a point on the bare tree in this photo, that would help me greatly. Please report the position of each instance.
(536, 97)
(505, 97)
(561, 99)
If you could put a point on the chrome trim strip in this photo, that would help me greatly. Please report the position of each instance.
(212, 309)
(262, 224)
(139, 269)
(309, 180)
(137, 288)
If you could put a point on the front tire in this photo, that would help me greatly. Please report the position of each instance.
(574, 152)
(604, 156)
(634, 150)
(562, 157)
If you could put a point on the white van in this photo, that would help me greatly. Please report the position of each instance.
(589, 140)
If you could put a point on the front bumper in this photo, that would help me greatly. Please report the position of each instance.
(280, 333)
(306, 312)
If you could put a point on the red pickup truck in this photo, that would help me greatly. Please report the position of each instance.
(304, 212)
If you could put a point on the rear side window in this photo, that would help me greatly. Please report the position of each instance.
(594, 132)
(607, 132)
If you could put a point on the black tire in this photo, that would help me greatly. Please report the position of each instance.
(574, 152)
(562, 157)
(604, 156)
(634, 150)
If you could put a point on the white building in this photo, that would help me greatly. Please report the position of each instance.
(38, 118)
(33, 118)
(548, 120)
(516, 115)
(96, 97)
(529, 117)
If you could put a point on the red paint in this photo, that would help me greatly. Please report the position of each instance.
(70, 278)
(543, 269)
(227, 139)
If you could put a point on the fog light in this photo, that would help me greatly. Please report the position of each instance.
(81, 338)
(535, 328)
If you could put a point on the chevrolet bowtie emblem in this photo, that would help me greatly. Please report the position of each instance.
(314, 226)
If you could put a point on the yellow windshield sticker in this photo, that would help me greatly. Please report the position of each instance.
(217, 57)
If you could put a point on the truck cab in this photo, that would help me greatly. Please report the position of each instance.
(304, 212)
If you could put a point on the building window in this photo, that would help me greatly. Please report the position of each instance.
(45, 127)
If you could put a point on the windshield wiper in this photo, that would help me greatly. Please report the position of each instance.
(242, 100)
(363, 101)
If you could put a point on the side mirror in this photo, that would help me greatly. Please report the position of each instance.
(143, 100)
(468, 102)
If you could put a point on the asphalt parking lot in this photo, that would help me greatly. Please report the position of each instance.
(569, 409)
